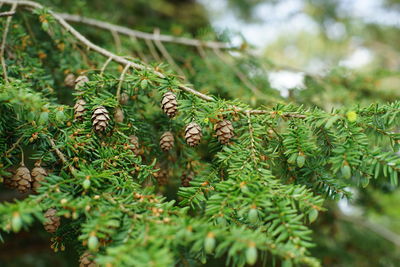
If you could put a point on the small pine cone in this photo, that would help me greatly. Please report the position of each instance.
(161, 175)
(86, 260)
(7, 179)
(193, 134)
(134, 144)
(69, 80)
(186, 178)
(22, 179)
(80, 81)
(79, 109)
(166, 141)
(52, 221)
(119, 115)
(100, 119)
(124, 98)
(38, 175)
(224, 130)
(169, 104)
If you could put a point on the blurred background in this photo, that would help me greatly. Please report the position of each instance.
(316, 53)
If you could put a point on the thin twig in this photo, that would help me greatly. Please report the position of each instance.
(14, 146)
(61, 156)
(105, 66)
(3, 42)
(139, 51)
(165, 53)
(7, 13)
(117, 40)
(152, 49)
(143, 35)
(121, 80)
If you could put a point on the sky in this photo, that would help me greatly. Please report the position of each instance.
(286, 18)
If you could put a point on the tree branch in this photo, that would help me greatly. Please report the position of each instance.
(3, 42)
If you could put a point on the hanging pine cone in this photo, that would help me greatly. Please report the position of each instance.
(124, 98)
(100, 119)
(186, 178)
(38, 175)
(22, 179)
(134, 144)
(69, 80)
(86, 260)
(166, 141)
(52, 221)
(161, 175)
(7, 179)
(169, 104)
(79, 109)
(224, 130)
(80, 81)
(193, 134)
(119, 115)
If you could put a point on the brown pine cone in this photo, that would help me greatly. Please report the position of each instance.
(166, 141)
(22, 179)
(119, 115)
(79, 109)
(7, 178)
(224, 130)
(52, 221)
(169, 104)
(161, 175)
(87, 260)
(100, 119)
(69, 80)
(134, 144)
(80, 81)
(38, 175)
(186, 178)
(193, 134)
(124, 98)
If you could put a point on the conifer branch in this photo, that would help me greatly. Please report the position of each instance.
(121, 80)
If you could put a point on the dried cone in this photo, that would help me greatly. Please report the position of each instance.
(80, 81)
(193, 134)
(52, 221)
(38, 175)
(118, 115)
(7, 178)
(161, 175)
(186, 178)
(22, 179)
(224, 130)
(124, 98)
(86, 260)
(134, 144)
(100, 119)
(169, 104)
(69, 80)
(79, 109)
(166, 141)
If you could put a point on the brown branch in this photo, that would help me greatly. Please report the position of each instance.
(3, 42)
(143, 35)
(61, 156)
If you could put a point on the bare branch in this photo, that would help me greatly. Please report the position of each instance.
(7, 14)
(4, 40)
(121, 80)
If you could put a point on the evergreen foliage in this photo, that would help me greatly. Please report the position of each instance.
(249, 200)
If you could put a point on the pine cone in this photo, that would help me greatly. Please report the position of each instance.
(79, 109)
(186, 178)
(161, 175)
(124, 98)
(38, 175)
(100, 119)
(119, 115)
(69, 80)
(7, 179)
(86, 260)
(80, 82)
(224, 130)
(52, 221)
(193, 134)
(166, 141)
(134, 144)
(169, 104)
(22, 179)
